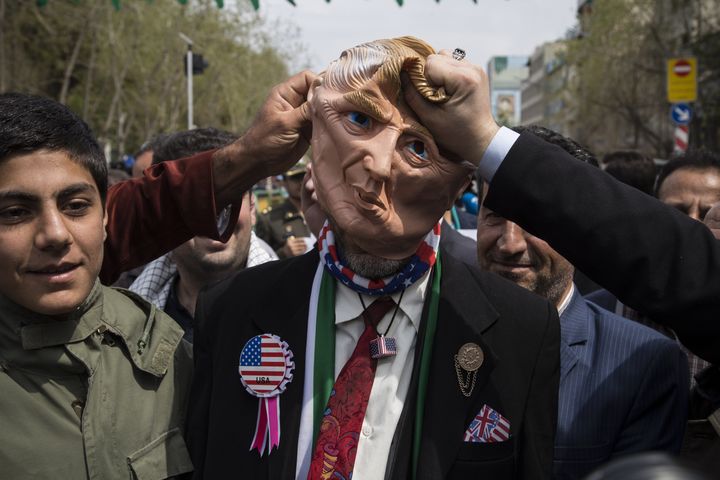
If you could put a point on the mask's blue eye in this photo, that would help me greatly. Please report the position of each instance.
(418, 148)
(359, 119)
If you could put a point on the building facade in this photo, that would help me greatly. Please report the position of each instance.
(546, 98)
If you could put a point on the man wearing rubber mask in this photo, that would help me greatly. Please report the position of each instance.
(406, 363)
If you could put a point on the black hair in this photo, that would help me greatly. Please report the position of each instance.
(699, 159)
(190, 142)
(117, 175)
(632, 168)
(567, 144)
(29, 123)
(151, 145)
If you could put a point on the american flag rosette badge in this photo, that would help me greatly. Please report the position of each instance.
(266, 367)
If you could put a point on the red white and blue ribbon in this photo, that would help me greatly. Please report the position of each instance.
(420, 262)
(266, 367)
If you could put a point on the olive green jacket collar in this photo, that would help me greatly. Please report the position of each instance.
(150, 343)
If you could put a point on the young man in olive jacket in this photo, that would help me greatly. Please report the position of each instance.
(94, 381)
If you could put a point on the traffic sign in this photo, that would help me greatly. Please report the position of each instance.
(681, 113)
(682, 79)
(682, 68)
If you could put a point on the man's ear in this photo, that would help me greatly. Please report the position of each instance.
(105, 222)
(251, 199)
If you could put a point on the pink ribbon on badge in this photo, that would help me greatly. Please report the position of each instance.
(266, 368)
(268, 421)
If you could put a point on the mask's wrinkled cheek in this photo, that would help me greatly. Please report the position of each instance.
(327, 173)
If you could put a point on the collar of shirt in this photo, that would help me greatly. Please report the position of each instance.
(35, 330)
(35, 343)
(348, 306)
(566, 300)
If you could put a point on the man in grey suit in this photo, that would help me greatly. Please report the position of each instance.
(622, 385)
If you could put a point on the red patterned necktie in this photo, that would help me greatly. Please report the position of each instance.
(337, 442)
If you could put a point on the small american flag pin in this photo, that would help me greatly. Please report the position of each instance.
(382, 347)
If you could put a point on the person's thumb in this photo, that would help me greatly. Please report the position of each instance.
(299, 120)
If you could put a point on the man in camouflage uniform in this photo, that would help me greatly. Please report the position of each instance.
(284, 227)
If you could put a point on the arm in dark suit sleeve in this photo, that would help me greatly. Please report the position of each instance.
(652, 257)
(657, 418)
(538, 435)
(200, 393)
(149, 216)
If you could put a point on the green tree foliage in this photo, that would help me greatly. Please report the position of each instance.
(620, 62)
(122, 70)
(620, 77)
(705, 128)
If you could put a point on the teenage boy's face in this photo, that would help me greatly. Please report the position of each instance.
(51, 232)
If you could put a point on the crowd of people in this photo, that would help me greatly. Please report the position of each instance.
(159, 327)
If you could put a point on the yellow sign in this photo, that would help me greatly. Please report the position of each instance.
(682, 79)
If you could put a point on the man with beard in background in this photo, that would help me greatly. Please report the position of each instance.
(173, 281)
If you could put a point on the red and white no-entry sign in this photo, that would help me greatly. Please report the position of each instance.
(682, 68)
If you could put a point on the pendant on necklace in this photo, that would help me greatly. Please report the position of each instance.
(382, 347)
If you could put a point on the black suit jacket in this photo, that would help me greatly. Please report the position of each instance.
(652, 257)
(458, 245)
(518, 332)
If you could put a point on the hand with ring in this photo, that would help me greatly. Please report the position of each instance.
(458, 54)
(464, 125)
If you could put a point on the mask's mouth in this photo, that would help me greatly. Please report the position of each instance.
(368, 200)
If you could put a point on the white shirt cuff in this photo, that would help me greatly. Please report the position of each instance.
(499, 147)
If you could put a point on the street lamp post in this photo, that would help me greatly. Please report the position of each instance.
(189, 68)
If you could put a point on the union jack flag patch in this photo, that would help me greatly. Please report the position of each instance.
(488, 426)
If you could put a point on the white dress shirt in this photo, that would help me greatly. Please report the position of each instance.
(566, 300)
(392, 376)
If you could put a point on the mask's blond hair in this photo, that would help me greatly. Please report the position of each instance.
(382, 61)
